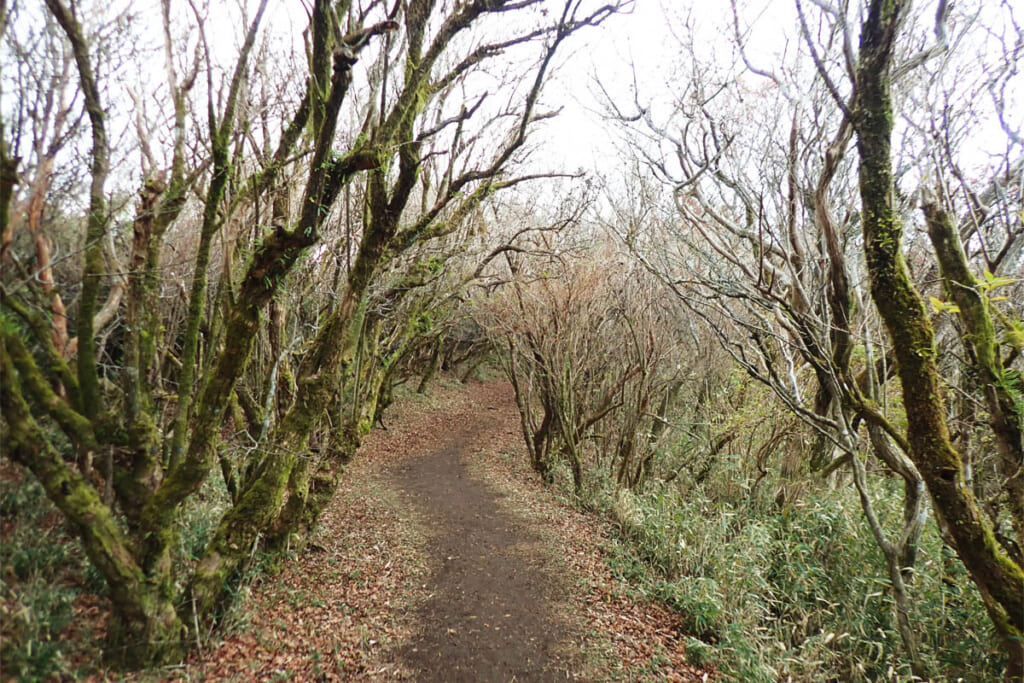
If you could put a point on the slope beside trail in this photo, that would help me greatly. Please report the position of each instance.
(443, 558)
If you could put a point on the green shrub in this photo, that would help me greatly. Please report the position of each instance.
(200, 517)
(35, 597)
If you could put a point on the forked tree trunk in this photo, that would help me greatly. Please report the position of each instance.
(144, 629)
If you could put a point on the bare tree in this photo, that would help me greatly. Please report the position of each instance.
(594, 369)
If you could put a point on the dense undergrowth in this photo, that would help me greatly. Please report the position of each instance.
(43, 575)
(778, 578)
(795, 594)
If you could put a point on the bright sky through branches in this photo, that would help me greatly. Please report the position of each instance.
(634, 58)
(644, 58)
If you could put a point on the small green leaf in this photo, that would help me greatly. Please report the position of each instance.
(993, 281)
(940, 306)
(1014, 338)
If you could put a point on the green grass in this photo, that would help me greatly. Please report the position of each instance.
(799, 593)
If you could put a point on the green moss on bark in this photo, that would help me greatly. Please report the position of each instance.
(142, 616)
(999, 580)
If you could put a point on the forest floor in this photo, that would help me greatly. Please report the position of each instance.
(443, 558)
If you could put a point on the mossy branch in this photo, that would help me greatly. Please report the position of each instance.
(81, 504)
(1003, 397)
(96, 224)
(56, 368)
(998, 578)
(77, 427)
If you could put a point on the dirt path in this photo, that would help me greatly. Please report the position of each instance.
(492, 611)
(443, 558)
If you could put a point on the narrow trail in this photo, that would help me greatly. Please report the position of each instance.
(492, 612)
(444, 558)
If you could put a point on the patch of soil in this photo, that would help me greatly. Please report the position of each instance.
(492, 614)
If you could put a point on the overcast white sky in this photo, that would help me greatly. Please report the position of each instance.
(644, 44)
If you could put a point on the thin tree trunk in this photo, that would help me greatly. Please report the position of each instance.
(92, 272)
(432, 367)
(1002, 396)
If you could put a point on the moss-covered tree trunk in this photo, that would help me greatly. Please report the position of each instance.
(8, 179)
(96, 224)
(260, 501)
(1000, 386)
(432, 365)
(999, 579)
(145, 628)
